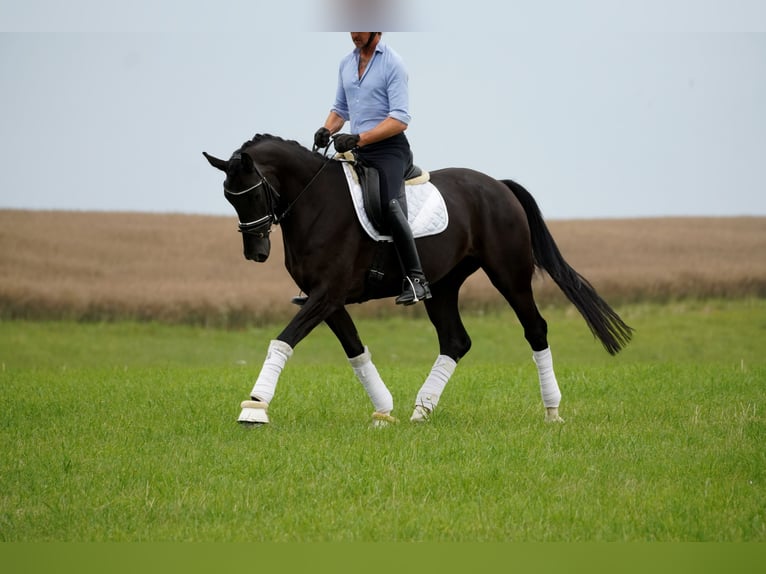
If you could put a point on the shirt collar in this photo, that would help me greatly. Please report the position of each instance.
(379, 48)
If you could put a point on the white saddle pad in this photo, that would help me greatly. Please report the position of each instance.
(426, 210)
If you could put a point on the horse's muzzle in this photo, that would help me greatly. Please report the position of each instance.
(256, 248)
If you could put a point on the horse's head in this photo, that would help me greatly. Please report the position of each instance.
(254, 200)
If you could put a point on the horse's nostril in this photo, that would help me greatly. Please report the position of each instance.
(256, 248)
(257, 257)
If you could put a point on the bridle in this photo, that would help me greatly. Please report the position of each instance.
(261, 227)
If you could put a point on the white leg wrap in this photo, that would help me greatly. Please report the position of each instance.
(429, 394)
(266, 384)
(549, 387)
(368, 375)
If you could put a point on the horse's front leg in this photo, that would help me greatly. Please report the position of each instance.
(360, 358)
(255, 410)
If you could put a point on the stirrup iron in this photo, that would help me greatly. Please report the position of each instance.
(410, 288)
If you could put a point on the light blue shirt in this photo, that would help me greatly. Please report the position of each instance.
(380, 93)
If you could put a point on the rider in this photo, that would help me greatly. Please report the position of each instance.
(372, 92)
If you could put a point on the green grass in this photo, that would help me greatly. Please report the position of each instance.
(126, 432)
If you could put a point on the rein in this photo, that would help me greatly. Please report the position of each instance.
(294, 201)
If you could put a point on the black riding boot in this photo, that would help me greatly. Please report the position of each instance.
(415, 287)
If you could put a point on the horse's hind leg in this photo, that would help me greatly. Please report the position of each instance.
(454, 343)
(360, 359)
(517, 290)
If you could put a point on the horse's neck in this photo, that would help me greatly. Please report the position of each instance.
(297, 171)
(314, 196)
(291, 168)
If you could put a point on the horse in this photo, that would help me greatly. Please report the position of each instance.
(494, 225)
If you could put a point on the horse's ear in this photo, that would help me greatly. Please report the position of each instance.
(216, 163)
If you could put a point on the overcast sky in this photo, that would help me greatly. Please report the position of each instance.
(600, 108)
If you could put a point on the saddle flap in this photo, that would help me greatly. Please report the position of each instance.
(369, 181)
(426, 210)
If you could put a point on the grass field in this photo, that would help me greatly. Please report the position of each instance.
(125, 432)
(128, 340)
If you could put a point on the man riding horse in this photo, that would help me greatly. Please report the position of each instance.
(494, 225)
(372, 93)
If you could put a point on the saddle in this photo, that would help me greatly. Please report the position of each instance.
(369, 181)
(426, 210)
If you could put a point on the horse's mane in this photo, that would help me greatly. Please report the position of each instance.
(259, 138)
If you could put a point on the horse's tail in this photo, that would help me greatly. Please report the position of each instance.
(604, 322)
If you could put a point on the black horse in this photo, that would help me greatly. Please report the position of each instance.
(494, 225)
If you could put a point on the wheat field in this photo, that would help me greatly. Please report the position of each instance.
(189, 268)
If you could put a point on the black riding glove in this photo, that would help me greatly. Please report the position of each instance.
(345, 142)
(322, 137)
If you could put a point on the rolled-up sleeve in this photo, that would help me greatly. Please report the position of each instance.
(398, 94)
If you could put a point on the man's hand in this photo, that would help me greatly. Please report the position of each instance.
(322, 138)
(345, 142)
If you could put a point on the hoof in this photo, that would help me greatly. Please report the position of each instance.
(380, 420)
(421, 414)
(552, 415)
(254, 413)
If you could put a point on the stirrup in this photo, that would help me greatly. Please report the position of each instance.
(410, 294)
